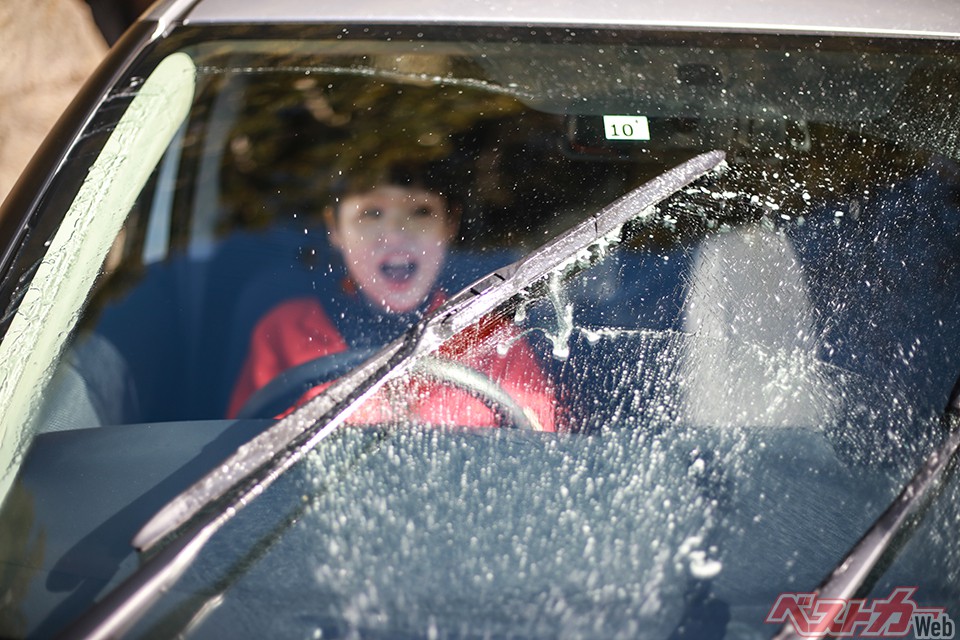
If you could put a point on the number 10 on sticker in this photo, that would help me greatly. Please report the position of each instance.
(626, 127)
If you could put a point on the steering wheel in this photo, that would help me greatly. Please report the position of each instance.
(283, 391)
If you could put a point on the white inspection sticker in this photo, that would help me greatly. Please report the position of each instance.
(626, 127)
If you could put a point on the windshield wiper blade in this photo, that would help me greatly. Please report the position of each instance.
(853, 576)
(211, 502)
(459, 312)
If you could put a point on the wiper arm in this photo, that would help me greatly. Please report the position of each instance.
(461, 311)
(215, 499)
(853, 576)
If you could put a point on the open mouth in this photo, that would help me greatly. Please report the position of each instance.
(398, 270)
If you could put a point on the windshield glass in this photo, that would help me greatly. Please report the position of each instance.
(680, 423)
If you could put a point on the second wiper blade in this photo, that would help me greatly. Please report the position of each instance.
(852, 576)
(216, 498)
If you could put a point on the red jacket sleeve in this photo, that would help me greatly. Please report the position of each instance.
(299, 330)
(292, 333)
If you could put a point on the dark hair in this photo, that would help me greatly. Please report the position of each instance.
(437, 176)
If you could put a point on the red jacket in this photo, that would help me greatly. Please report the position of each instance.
(299, 330)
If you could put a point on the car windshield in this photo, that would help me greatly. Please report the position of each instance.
(686, 419)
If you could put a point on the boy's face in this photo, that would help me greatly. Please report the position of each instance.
(393, 240)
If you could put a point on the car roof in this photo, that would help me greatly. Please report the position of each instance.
(925, 18)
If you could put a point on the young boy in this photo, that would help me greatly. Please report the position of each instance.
(393, 233)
